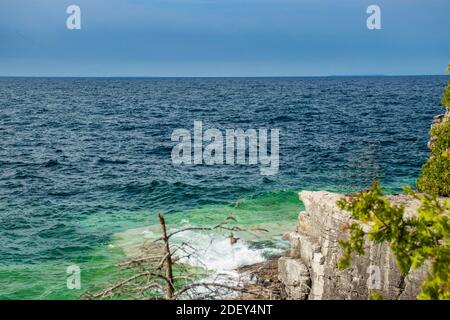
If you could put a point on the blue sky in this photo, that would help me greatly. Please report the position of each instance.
(223, 38)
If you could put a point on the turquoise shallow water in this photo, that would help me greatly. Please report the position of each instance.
(85, 163)
(273, 211)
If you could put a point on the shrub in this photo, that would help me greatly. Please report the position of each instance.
(412, 240)
(435, 176)
(446, 95)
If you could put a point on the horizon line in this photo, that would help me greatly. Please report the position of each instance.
(218, 77)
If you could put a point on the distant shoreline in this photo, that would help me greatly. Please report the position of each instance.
(225, 77)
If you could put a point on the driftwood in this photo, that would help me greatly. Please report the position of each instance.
(153, 275)
(168, 259)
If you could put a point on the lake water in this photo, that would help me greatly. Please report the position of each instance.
(85, 164)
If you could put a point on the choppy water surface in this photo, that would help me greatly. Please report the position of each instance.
(84, 160)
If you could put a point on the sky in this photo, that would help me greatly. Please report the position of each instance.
(176, 38)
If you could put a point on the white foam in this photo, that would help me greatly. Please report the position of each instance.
(212, 250)
(215, 252)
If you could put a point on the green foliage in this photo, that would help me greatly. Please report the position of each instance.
(413, 240)
(435, 177)
(375, 295)
(355, 244)
(446, 95)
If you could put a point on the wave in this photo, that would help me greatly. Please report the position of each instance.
(262, 218)
(216, 253)
(51, 163)
(111, 161)
(212, 250)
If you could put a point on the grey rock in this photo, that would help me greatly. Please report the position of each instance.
(295, 276)
(310, 271)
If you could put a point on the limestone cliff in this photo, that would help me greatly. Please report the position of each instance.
(310, 270)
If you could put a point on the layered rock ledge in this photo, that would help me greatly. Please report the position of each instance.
(310, 270)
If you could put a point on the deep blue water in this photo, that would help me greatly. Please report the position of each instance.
(71, 149)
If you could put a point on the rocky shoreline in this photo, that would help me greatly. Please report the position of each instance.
(264, 282)
(309, 270)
